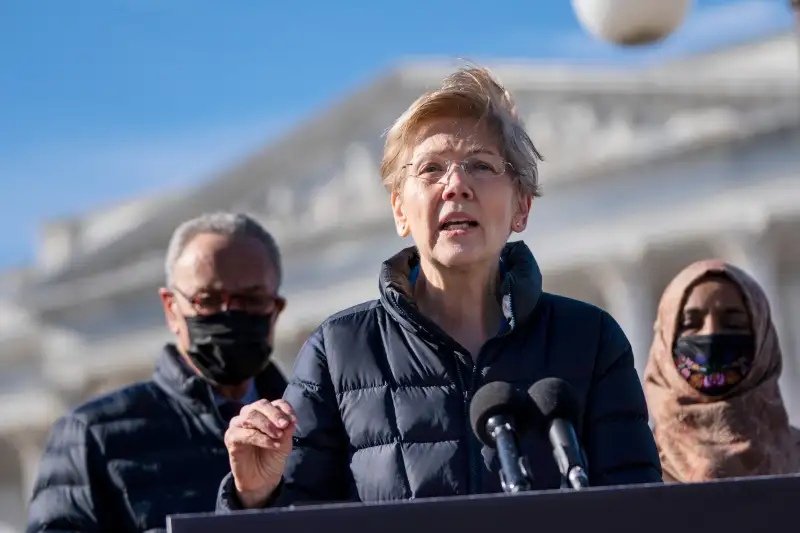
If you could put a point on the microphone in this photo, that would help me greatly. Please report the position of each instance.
(496, 412)
(560, 411)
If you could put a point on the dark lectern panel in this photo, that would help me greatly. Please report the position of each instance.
(745, 505)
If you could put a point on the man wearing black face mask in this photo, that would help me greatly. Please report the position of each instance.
(125, 461)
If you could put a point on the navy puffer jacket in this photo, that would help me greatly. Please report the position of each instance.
(122, 462)
(382, 395)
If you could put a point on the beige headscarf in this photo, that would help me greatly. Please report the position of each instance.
(745, 432)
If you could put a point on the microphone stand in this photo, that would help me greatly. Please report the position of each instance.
(576, 479)
(573, 476)
(520, 478)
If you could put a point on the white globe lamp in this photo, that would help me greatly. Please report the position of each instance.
(631, 22)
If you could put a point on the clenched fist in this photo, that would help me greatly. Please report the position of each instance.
(259, 440)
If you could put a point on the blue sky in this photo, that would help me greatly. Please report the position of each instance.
(102, 100)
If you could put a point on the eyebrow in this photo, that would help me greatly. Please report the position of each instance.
(252, 288)
(482, 150)
(727, 310)
(475, 150)
(734, 311)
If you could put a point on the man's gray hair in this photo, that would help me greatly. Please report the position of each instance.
(221, 223)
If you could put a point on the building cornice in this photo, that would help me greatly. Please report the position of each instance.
(746, 210)
(318, 140)
(322, 139)
(594, 81)
(149, 269)
(697, 136)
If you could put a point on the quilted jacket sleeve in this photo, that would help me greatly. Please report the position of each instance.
(317, 470)
(619, 444)
(65, 494)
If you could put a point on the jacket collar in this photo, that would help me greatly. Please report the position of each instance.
(519, 288)
(177, 379)
(180, 381)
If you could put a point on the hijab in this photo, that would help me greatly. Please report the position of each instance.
(744, 432)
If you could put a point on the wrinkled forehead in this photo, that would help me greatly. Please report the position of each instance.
(223, 263)
(457, 137)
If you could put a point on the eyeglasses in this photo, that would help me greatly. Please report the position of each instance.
(433, 169)
(216, 302)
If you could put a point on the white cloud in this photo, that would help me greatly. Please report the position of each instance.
(704, 28)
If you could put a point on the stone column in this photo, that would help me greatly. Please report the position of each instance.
(757, 254)
(30, 446)
(628, 294)
(790, 289)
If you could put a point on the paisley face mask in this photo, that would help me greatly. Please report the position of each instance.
(714, 364)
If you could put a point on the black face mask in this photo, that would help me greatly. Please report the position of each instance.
(714, 364)
(231, 347)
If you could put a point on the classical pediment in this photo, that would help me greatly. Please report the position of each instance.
(322, 177)
(354, 190)
(775, 57)
(581, 136)
(335, 196)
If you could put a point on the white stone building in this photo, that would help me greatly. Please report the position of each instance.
(647, 170)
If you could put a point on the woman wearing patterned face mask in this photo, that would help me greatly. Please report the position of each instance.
(712, 379)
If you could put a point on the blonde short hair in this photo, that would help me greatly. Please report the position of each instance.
(468, 93)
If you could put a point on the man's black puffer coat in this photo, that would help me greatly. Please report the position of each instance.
(124, 461)
(382, 395)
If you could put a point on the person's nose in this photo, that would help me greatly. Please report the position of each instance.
(711, 325)
(458, 185)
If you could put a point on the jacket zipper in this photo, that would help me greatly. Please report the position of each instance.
(468, 388)
(474, 472)
(465, 392)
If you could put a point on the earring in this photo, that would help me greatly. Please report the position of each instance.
(404, 231)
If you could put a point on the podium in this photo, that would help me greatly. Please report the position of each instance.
(746, 505)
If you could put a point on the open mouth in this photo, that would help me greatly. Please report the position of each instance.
(458, 225)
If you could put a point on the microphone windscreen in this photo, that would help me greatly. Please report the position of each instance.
(555, 398)
(496, 398)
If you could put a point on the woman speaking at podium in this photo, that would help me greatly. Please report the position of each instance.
(378, 405)
(712, 379)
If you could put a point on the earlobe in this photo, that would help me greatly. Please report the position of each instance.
(170, 313)
(173, 319)
(520, 220)
(519, 223)
(400, 220)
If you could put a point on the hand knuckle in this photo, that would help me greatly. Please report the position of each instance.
(284, 403)
(235, 446)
